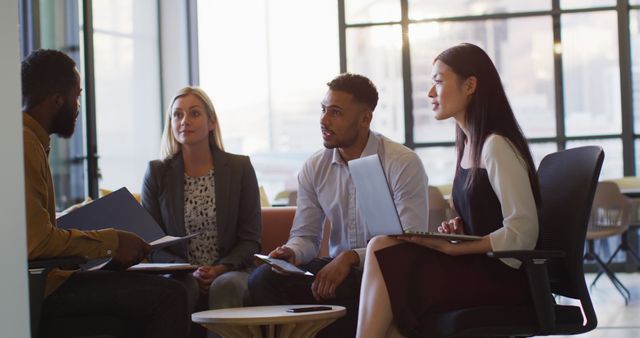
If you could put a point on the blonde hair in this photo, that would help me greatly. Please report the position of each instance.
(169, 146)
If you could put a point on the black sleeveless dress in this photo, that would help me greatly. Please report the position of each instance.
(421, 281)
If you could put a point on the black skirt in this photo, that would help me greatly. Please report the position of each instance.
(421, 281)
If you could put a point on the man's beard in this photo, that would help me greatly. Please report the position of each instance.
(64, 122)
(351, 140)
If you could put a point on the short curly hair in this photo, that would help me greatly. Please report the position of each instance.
(46, 72)
(362, 89)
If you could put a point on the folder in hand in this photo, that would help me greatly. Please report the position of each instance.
(119, 210)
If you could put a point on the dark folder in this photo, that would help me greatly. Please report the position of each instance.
(118, 210)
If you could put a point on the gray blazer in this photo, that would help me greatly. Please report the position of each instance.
(237, 207)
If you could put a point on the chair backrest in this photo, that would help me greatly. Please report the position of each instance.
(610, 207)
(438, 208)
(568, 182)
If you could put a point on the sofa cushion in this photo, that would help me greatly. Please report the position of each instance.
(276, 224)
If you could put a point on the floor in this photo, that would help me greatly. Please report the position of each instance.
(615, 319)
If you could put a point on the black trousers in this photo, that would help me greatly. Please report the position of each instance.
(270, 288)
(146, 305)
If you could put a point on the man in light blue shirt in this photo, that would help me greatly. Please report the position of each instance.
(326, 191)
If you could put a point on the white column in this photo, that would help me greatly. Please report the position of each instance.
(175, 54)
(14, 299)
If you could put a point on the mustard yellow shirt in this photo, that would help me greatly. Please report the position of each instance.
(44, 239)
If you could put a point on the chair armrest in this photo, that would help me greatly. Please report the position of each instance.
(534, 263)
(524, 255)
(56, 262)
(38, 271)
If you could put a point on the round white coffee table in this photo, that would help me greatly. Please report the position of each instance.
(248, 321)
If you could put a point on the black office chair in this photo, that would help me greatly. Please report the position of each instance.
(85, 326)
(38, 271)
(568, 182)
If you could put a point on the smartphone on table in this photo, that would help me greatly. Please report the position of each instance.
(309, 309)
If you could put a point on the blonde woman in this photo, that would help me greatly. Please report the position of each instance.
(198, 187)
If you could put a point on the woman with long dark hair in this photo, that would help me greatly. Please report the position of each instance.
(496, 194)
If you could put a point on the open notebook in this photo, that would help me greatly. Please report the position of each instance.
(375, 201)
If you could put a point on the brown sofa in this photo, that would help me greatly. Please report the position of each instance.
(276, 224)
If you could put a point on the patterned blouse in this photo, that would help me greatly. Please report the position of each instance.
(200, 216)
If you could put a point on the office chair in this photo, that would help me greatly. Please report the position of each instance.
(630, 187)
(568, 182)
(85, 327)
(38, 271)
(439, 209)
(610, 217)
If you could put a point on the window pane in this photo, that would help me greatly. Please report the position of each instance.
(522, 52)
(570, 4)
(591, 73)
(426, 9)
(613, 165)
(267, 77)
(364, 11)
(376, 52)
(128, 113)
(59, 23)
(540, 150)
(637, 158)
(440, 164)
(634, 18)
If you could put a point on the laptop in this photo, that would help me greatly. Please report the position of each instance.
(376, 205)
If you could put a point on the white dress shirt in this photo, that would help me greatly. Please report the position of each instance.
(326, 190)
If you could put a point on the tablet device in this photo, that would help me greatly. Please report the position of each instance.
(282, 265)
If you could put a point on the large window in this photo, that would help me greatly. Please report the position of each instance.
(591, 74)
(127, 80)
(433, 9)
(57, 27)
(266, 71)
(126, 118)
(565, 66)
(560, 67)
(522, 49)
(375, 51)
(634, 23)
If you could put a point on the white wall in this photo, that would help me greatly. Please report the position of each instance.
(14, 307)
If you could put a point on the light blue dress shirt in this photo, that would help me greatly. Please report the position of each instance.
(326, 190)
